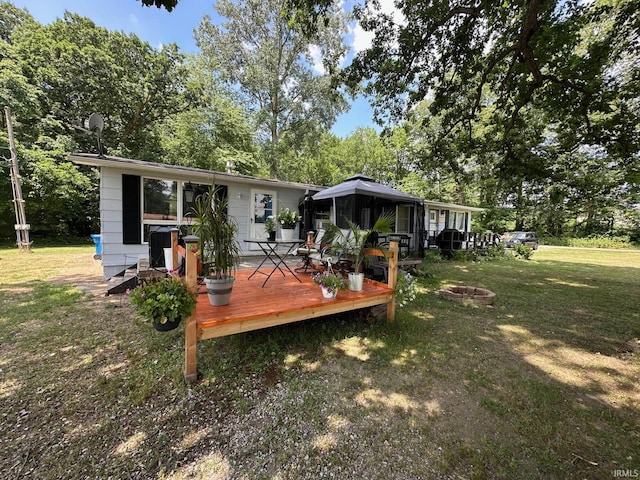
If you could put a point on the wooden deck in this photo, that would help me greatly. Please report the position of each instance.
(282, 300)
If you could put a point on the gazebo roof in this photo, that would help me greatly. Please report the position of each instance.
(364, 185)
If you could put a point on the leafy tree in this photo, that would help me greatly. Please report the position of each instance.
(168, 4)
(513, 89)
(522, 52)
(270, 63)
(211, 133)
(53, 75)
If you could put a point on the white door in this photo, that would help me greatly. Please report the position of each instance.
(262, 205)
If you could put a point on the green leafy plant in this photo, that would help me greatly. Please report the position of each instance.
(329, 280)
(270, 224)
(406, 288)
(522, 251)
(163, 300)
(461, 256)
(217, 233)
(353, 242)
(288, 218)
(497, 251)
(433, 256)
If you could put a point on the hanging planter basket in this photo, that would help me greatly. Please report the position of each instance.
(167, 326)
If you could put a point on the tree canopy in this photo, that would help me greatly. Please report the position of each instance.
(272, 65)
(168, 4)
(529, 109)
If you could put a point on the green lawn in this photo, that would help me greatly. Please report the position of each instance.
(545, 384)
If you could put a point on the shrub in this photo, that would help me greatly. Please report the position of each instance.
(498, 251)
(594, 241)
(522, 251)
(462, 256)
(433, 256)
(405, 288)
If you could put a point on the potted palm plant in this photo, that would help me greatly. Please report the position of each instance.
(219, 247)
(353, 242)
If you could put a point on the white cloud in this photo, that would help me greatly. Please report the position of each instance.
(133, 19)
(389, 7)
(316, 59)
(362, 39)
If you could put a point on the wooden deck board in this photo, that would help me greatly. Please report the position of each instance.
(283, 300)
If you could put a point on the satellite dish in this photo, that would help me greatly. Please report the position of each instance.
(96, 122)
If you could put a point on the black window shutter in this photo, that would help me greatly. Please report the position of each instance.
(131, 222)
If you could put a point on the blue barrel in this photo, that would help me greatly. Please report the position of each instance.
(97, 239)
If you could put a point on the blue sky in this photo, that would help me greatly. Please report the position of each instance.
(159, 27)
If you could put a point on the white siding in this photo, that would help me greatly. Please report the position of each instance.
(116, 256)
(239, 196)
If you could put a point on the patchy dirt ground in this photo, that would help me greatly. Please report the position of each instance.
(91, 391)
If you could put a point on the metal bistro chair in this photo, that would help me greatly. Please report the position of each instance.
(334, 251)
(310, 249)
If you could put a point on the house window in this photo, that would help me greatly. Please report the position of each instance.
(160, 199)
(165, 201)
(403, 219)
(191, 191)
(322, 220)
(457, 221)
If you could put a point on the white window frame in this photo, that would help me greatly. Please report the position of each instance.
(180, 218)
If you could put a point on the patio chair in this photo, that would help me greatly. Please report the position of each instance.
(378, 265)
(313, 246)
(330, 251)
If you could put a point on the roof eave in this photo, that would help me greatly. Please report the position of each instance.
(180, 172)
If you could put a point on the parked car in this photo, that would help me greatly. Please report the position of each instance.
(530, 239)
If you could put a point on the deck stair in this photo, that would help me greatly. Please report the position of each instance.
(122, 282)
(133, 276)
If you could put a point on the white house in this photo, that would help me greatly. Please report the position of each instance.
(439, 216)
(138, 198)
(141, 199)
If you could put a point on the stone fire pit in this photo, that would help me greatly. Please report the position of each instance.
(475, 295)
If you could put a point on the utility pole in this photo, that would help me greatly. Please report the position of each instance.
(21, 226)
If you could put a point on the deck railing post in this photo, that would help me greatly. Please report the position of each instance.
(174, 250)
(392, 279)
(191, 329)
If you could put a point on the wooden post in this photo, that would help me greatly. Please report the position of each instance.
(393, 277)
(174, 250)
(191, 329)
